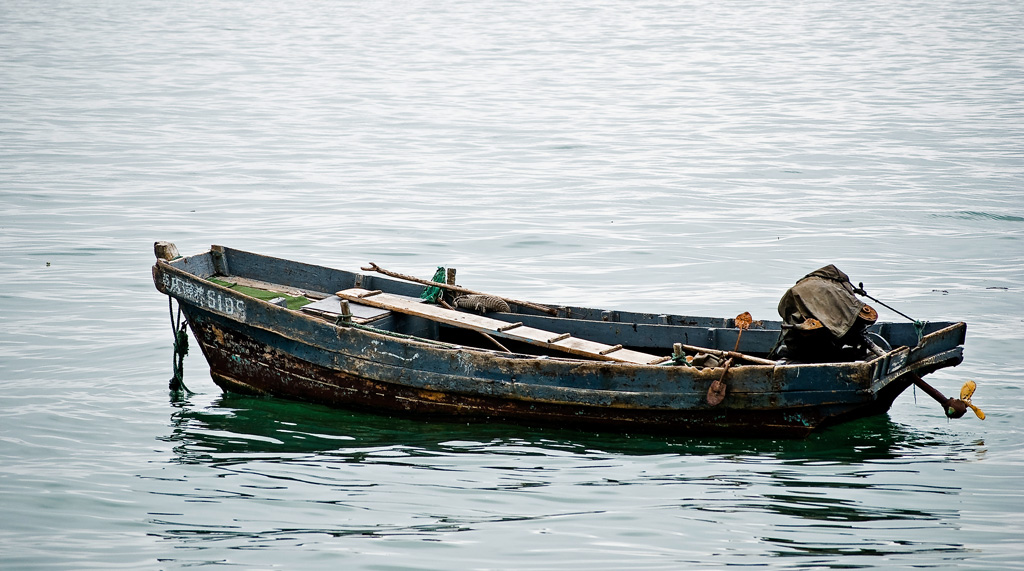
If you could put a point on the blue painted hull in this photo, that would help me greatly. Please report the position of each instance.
(415, 368)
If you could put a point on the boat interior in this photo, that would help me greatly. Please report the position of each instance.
(395, 306)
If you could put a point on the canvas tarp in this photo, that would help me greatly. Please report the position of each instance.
(825, 294)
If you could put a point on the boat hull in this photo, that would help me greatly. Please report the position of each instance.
(252, 362)
(257, 347)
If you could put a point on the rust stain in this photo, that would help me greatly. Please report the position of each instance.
(218, 334)
(432, 396)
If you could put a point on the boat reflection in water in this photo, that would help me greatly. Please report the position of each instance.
(446, 480)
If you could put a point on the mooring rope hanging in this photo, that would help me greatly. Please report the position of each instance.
(177, 383)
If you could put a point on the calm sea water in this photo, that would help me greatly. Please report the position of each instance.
(693, 157)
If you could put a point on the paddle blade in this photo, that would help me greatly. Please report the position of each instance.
(716, 393)
(744, 320)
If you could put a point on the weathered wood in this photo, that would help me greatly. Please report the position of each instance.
(638, 334)
(531, 335)
(375, 268)
(276, 288)
(444, 304)
(730, 354)
(165, 251)
(405, 364)
(331, 308)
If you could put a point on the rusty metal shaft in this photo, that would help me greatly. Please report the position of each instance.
(954, 408)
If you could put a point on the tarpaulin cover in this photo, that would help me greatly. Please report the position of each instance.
(825, 294)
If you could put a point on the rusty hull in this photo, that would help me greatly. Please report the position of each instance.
(240, 363)
(259, 348)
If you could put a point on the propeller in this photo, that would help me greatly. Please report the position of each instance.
(965, 395)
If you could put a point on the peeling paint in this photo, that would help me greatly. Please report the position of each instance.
(270, 350)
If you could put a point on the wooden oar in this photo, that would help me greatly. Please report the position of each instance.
(729, 354)
(716, 392)
(375, 268)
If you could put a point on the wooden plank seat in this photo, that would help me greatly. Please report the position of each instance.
(497, 328)
(330, 308)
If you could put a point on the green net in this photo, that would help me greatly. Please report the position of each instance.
(434, 293)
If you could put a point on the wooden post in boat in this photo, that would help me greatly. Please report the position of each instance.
(346, 312)
(166, 251)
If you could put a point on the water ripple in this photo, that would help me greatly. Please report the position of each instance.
(598, 153)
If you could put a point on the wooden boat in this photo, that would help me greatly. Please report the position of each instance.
(364, 340)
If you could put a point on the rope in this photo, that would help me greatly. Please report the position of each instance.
(918, 324)
(177, 384)
(679, 359)
(919, 329)
(860, 290)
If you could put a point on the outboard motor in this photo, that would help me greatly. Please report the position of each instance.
(823, 321)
